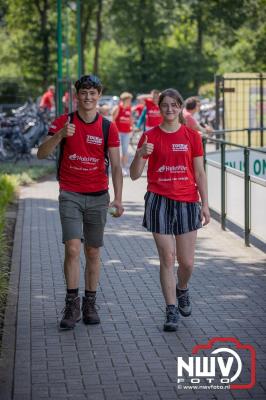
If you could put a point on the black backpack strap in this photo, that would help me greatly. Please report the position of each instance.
(60, 150)
(106, 128)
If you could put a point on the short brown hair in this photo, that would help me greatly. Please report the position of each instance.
(87, 82)
(191, 103)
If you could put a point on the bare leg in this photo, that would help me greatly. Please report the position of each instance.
(71, 263)
(92, 270)
(124, 161)
(185, 250)
(166, 250)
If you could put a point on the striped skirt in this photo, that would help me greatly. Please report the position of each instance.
(170, 217)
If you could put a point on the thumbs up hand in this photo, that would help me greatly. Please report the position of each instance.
(68, 130)
(146, 148)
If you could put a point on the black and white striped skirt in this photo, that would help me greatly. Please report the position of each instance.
(170, 217)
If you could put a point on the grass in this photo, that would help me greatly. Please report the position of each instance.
(25, 174)
(11, 177)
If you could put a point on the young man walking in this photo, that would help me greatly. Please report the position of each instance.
(85, 140)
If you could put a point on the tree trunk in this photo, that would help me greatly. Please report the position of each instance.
(142, 48)
(86, 13)
(98, 37)
(142, 44)
(45, 41)
(199, 44)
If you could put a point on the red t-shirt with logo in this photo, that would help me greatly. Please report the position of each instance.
(170, 166)
(123, 119)
(153, 116)
(47, 100)
(83, 168)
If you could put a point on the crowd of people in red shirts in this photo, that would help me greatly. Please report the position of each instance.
(142, 116)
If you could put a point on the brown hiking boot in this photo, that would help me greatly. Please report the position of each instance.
(71, 313)
(90, 315)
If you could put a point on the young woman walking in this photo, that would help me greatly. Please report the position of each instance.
(173, 213)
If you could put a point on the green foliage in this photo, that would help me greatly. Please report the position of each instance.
(33, 27)
(207, 90)
(7, 189)
(24, 174)
(7, 192)
(145, 44)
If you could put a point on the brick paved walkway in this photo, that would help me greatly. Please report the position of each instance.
(128, 356)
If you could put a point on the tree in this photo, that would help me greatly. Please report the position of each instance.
(98, 36)
(33, 31)
(139, 25)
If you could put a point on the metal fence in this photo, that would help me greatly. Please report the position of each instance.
(240, 197)
(241, 102)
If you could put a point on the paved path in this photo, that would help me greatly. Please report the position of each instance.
(128, 356)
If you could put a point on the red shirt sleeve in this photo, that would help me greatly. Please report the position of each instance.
(57, 124)
(197, 146)
(149, 102)
(190, 122)
(113, 138)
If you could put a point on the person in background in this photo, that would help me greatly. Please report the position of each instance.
(84, 196)
(104, 110)
(173, 214)
(48, 99)
(138, 108)
(122, 116)
(151, 111)
(66, 100)
(192, 106)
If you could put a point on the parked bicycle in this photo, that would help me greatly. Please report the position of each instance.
(22, 131)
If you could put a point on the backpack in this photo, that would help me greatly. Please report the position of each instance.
(105, 128)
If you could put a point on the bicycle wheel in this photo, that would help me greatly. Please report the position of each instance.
(9, 150)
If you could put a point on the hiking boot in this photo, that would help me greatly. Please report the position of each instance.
(184, 303)
(90, 315)
(171, 319)
(71, 313)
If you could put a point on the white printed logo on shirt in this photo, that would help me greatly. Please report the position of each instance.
(94, 140)
(179, 147)
(173, 169)
(86, 160)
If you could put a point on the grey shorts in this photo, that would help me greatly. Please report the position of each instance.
(83, 217)
(170, 217)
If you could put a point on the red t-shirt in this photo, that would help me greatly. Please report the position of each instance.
(47, 100)
(170, 166)
(190, 120)
(153, 116)
(82, 168)
(123, 119)
(138, 109)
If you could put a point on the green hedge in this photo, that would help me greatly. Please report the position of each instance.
(11, 176)
(8, 185)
